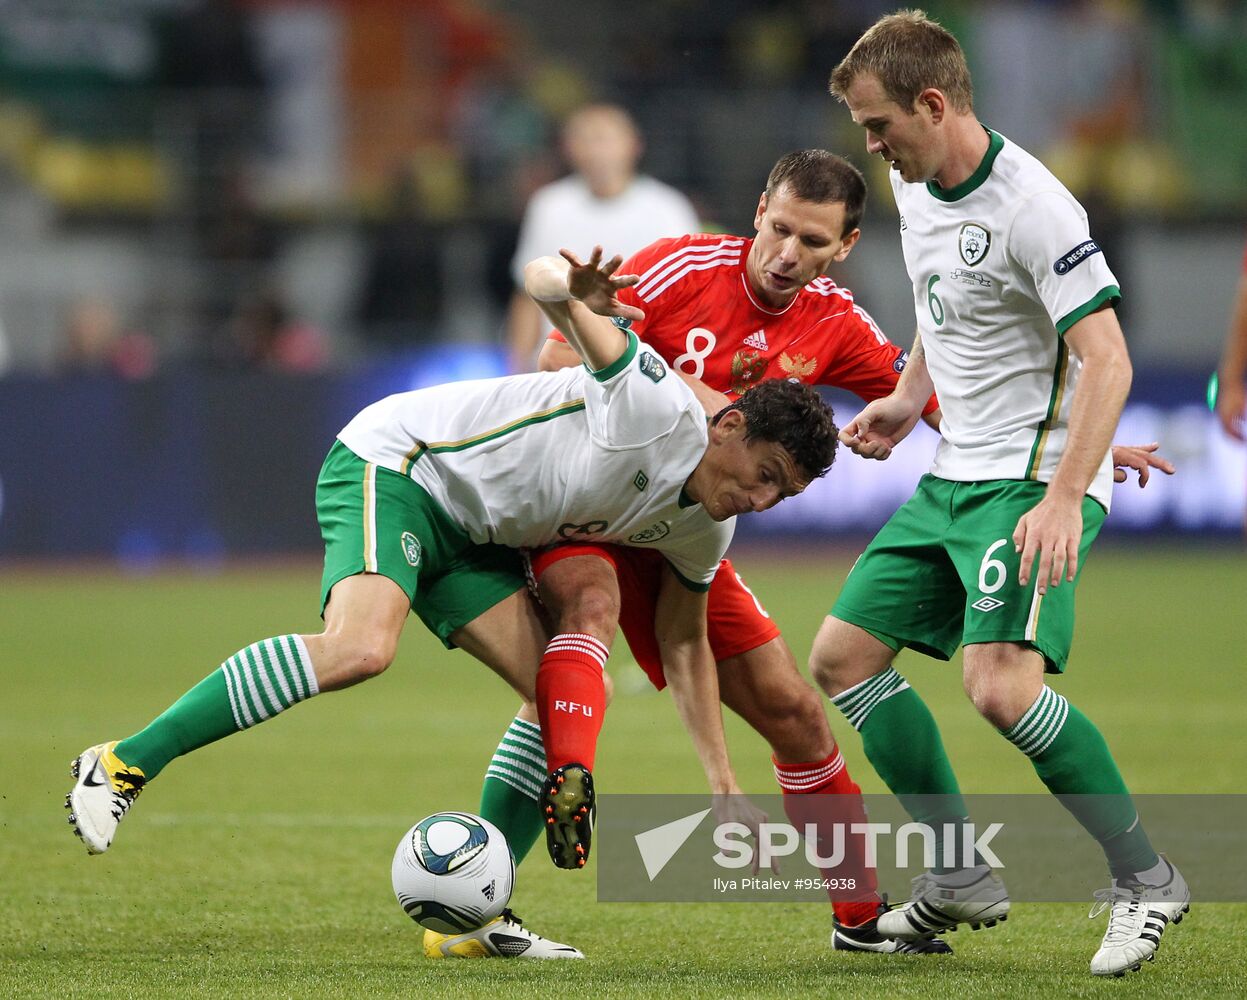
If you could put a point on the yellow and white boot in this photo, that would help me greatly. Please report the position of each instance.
(505, 937)
(104, 792)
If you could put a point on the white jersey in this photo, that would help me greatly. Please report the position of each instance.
(573, 455)
(1002, 266)
(567, 214)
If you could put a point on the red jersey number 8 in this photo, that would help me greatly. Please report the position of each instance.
(693, 355)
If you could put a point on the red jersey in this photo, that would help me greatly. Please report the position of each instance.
(704, 319)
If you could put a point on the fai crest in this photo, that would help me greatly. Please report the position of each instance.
(973, 242)
(411, 548)
(651, 534)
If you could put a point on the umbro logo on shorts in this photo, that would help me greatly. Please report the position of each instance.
(987, 604)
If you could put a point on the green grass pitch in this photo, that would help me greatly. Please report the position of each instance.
(259, 867)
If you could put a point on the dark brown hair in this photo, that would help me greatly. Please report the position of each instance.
(794, 415)
(821, 177)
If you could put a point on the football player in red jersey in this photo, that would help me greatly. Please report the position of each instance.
(726, 312)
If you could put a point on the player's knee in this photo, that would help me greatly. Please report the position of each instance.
(808, 714)
(582, 594)
(997, 703)
(363, 658)
(845, 655)
(797, 724)
(594, 610)
(1002, 681)
(830, 668)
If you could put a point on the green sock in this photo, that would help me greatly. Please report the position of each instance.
(512, 788)
(904, 747)
(252, 685)
(1072, 759)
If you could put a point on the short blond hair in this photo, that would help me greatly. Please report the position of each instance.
(908, 53)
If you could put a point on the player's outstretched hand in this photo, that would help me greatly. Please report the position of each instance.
(736, 807)
(880, 427)
(1140, 457)
(597, 286)
(1051, 530)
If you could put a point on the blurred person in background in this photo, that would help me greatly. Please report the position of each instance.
(604, 201)
(401, 300)
(95, 342)
(1231, 404)
(265, 335)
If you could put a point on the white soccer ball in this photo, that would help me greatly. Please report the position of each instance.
(453, 872)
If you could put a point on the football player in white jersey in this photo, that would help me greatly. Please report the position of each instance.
(423, 501)
(1018, 337)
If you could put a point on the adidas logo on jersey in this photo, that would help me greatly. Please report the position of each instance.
(756, 340)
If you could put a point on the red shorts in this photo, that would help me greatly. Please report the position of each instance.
(735, 621)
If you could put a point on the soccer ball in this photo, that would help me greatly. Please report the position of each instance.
(453, 872)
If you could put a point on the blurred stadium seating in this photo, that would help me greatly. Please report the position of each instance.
(225, 176)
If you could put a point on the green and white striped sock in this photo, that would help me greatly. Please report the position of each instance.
(253, 685)
(512, 789)
(1040, 724)
(903, 745)
(268, 677)
(860, 700)
(1072, 759)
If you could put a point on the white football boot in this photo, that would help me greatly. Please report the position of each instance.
(938, 903)
(105, 791)
(1138, 916)
(504, 937)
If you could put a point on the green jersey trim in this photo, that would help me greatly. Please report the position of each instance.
(693, 585)
(1054, 409)
(621, 362)
(1106, 295)
(437, 447)
(995, 143)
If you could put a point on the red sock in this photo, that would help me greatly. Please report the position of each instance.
(571, 698)
(804, 787)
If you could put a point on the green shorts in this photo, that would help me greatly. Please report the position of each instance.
(942, 573)
(374, 520)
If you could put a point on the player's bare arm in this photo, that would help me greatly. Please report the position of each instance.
(680, 626)
(554, 284)
(1052, 529)
(556, 354)
(884, 423)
